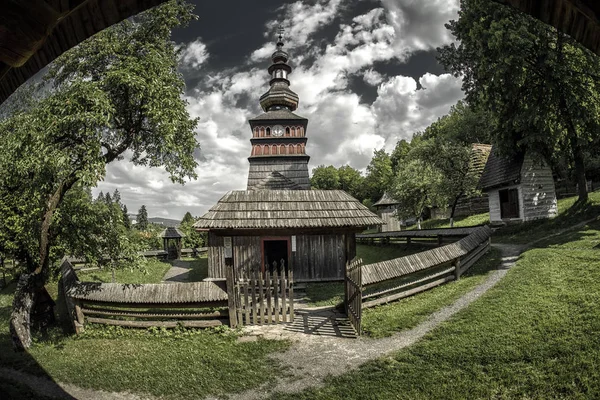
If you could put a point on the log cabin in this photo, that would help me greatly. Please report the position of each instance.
(519, 189)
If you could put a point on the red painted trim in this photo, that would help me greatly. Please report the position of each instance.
(264, 239)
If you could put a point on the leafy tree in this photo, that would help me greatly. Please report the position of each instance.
(539, 85)
(326, 178)
(116, 197)
(101, 197)
(400, 154)
(351, 181)
(142, 219)
(117, 91)
(193, 239)
(453, 162)
(416, 187)
(463, 124)
(379, 175)
(107, 198)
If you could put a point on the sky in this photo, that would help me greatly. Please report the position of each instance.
(366, 73)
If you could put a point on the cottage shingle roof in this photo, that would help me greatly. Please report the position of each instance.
(272, 209)
(500, 171)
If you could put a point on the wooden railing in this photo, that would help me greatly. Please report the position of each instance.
(435, 237)
(353, 294)
(260, 298)
(143, 305)
(391, 280)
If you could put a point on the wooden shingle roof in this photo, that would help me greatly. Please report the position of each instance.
(500, 171)
(273, 209)
(385, 200)
(276, 181)
(171, 233)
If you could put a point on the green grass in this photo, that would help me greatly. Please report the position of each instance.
(175, 364)
(459, 222)
(199, 268)
(407, 313)
(154, 271)
(332, 293)
(570, 212)
(535, 335)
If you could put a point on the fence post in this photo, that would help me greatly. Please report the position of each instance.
(231, 295)
(457, 269)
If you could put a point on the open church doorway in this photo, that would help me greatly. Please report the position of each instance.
(275, 254)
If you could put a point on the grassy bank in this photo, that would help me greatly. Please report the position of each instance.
(533, 336)
(153, 272)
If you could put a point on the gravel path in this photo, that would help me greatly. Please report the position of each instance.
(178, 272)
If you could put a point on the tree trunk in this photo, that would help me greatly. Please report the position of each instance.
(20, 317)
(454, 204)
(582, 191)
(24, 298)
(419, 223)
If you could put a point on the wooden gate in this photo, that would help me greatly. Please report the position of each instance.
(259, 298)
(353, 294)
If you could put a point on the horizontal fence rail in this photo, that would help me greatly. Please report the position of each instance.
(392, 280)
(435, 237)
(194, 304)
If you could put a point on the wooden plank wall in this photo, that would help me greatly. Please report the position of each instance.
(388, 215)
(317, 257)
(537, 191)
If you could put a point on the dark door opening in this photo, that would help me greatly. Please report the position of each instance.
(275, 254)
(509, 203)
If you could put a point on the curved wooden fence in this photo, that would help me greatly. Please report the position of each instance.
(386, 281)
(196, 304)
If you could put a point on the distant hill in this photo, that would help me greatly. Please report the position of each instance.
(166, 222)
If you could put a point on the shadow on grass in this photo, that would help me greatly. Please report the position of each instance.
(22, 377)
(525, 232)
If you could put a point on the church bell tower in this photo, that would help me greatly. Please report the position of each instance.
(278, 159)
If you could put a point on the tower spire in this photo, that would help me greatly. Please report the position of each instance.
(279, 96)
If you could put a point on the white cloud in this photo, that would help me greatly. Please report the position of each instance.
(341, 129)
(194, 54)
(372, 77)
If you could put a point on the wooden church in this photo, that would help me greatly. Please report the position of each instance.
(278, 222)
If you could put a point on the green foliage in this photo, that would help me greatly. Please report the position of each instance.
(539, 85)
(326, 178)
(152, 272)
(417, 186)
(193, 239)
(117, 91)
(379, 175)
(463, 125)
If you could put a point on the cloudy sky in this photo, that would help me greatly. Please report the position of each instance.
(365, 72)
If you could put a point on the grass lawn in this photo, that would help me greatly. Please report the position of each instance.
(407, 313)
(152, 273)
(175, 364)
(332, 293)
(459, 222)
(569, 213)
(199, 267)
(535, 335)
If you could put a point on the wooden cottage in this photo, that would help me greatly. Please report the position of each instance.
(311, 231)
(518, 189)
(386, 209)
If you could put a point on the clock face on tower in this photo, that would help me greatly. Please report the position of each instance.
(277, 131)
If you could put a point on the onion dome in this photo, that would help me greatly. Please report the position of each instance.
(279, 96)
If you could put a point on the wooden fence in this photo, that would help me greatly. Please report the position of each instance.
(197, 304)
(353, 294)
(434, 237)
(391, 280)
(260, 298)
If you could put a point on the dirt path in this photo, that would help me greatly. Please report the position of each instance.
(314, 357)
(178, 272)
